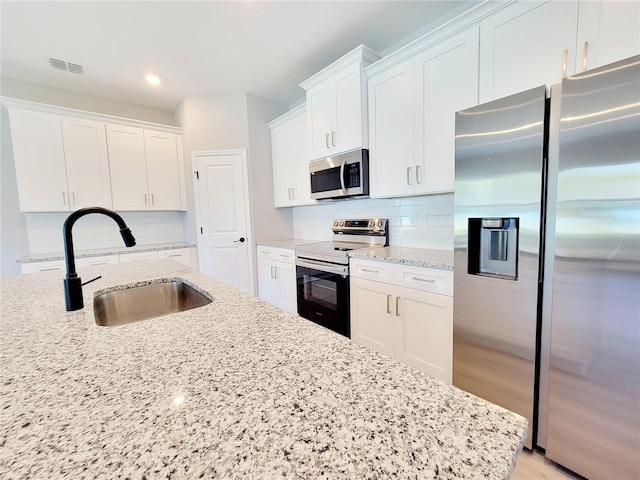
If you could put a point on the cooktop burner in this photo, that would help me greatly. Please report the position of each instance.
(348, 235)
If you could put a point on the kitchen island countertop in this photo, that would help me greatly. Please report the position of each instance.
(235, 389)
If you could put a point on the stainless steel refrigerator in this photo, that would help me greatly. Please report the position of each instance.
(547, 265)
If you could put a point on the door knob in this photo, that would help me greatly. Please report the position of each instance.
(241, 240)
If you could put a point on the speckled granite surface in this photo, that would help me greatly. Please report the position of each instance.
(43, 257)
(285, 243)
(234, 389)
(423, 257)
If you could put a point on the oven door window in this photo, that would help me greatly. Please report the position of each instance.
(326, 180)
(320, 290)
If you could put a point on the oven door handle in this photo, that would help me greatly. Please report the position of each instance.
(323, 267)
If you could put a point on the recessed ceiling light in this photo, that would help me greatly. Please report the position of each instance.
(152, 79)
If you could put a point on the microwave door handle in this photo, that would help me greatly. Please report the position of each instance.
(344, 188)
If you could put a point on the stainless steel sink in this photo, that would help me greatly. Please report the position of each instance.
(134, 304)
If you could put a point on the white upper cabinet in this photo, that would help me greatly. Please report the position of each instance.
(337, 105)
(39, 159)
(412, 108)
(163, 170)
(290, 156)
(608, 31)
(61, 162)
(87, 161)
(145, 170)
(529, 43)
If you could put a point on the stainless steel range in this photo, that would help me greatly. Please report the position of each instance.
(322, 271)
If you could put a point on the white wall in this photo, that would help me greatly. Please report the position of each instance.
(421, 222)
(80, 101)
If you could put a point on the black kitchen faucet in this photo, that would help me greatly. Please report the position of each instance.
(73, 284)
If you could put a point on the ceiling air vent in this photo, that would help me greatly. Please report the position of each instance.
(66, 66)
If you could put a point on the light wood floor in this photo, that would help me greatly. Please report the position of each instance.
(534, 466)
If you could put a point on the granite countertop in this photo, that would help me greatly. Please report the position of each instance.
(235, 389)
(422, 257)
(285, 243)
(45, 257)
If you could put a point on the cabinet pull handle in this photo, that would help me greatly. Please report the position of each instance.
(418, 175)
(174, 255)
(73, 197)
(64, 199)
(326, 139)
(585, 55)
(285, 256)
(397, 306)
(565, 57)
(333, 138)
(48, 269)
(272, 272)
(275, 269)
(153, 199)
(369, 271)
(293, 193)
(423, 279)
(145, 200)
(263, 251)
(389, 303)
(408, 175)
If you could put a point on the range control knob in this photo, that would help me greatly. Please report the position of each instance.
(335, 223)
(342, 223)
(371, 223)
(379, 223)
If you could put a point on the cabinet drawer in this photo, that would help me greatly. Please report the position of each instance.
(95, 261)
(285, 255)
(426, 279)
(371, 270)
(132, 257)
(177, 254)
(43, 266)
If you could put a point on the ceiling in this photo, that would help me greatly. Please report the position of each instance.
(201, 48)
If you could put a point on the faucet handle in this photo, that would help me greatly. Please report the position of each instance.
(92, 280)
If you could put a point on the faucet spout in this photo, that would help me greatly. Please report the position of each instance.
(73, 283)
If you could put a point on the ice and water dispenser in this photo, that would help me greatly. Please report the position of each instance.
(493, 247)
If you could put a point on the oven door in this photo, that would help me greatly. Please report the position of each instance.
(323, 294)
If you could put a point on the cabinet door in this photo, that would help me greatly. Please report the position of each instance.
(608, 31)
(287, 289)
(521, 47)
(319, 112)
(446, 78)
(127, 167)
(373, 315)
(392, 131)
(348, 110)
(162, 170)
(87, 162)
(424, 336)
(302, 185)
(267, 285)
(39, 160)
(283, 156)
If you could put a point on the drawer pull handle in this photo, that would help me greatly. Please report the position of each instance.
(370, 271)
(423, 279)
(49, 269)
(174, 255)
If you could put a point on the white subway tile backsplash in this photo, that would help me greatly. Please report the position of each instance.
(423, 222)
(45, 233)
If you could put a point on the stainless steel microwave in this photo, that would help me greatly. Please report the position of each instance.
(340, 176)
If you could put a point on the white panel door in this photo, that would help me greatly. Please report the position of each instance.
(446, 81)
(163, 175)
(127, 166)
(221, 188)
(85, 151)
(39, 160)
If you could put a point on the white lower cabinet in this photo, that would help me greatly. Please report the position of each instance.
(413, 325)
(180, 255)
(277, 277)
